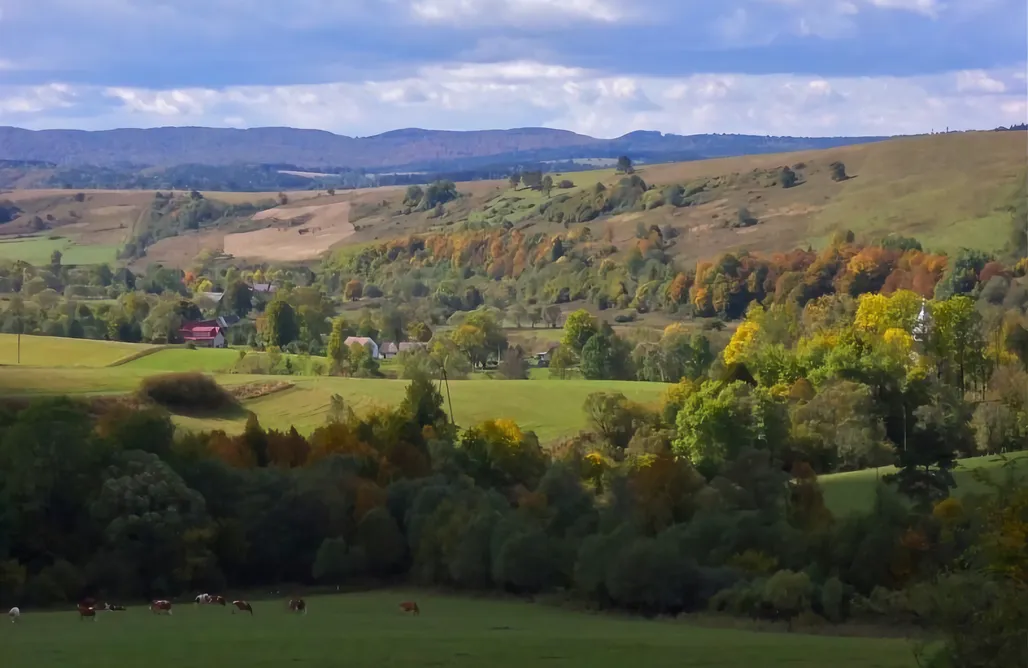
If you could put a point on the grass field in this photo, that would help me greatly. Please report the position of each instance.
(846, 493)
(37, 251)
(51, 351)
(208, 360)
(367, 630)
(552, 409)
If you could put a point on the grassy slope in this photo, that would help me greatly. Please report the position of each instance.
(37, 251)
(950, 190)
(53, 351)
(182, 359)
(368, 630)
(552, 409)
(846, 493)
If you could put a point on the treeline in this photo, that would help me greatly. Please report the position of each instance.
(121, 506)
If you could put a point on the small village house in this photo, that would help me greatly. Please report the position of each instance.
(205, 334)
(367, 343)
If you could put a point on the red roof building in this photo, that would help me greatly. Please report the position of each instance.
(206, 334)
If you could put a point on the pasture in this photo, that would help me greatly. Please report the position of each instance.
(368, 630)
(51, 351)
(37, 251)
(847, 493)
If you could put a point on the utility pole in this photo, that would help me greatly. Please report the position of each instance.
(449, 399)
(19, 345)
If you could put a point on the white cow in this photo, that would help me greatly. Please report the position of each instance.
(203, 598)
(14, 614)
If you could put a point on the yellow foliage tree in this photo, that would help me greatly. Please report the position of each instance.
(743, 341)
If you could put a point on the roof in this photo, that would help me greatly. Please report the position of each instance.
(389, 347)
(213, 296)
(363, 340)
(199, 325)
(263, 287)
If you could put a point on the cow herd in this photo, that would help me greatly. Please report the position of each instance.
(88, 608)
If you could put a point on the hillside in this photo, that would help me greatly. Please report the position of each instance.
(410, 149)
(950, 191)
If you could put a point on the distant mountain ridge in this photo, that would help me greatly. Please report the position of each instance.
(406, 149)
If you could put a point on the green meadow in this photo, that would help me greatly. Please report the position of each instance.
(367, 630)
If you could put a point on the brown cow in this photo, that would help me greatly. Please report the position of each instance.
(410, 606)
(217, 600)
(298, 605)
(86, 611)
(159, 606)
(242, 606)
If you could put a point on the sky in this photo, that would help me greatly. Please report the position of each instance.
(599, 67)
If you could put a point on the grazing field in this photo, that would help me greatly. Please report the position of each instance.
(52, 351)
(846, 493)
(552, 409)
(367, 630)
(209, 360)
(37, 251)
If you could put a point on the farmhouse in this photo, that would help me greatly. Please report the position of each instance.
(204, 334)
(367, 343)
(389, 350)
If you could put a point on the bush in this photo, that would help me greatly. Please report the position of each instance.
(833, 600)
(187, 390)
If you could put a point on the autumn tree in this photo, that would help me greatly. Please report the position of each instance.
(353, 290)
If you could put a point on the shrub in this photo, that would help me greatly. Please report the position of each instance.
(838, 171)
(186, 390)
(833, 600)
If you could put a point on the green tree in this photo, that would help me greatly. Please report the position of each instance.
(237, 300)
(625, 165)
(282, 326)
(579, 327)
(926, 461)
(337, 350)
(547, 185)
(837, 170)
(606, 356)
(146, 510)
(515, 180)
(382, 543)
(360, 361)
(956, 341)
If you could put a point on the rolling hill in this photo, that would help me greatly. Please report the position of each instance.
(400, 149)
(949, 190)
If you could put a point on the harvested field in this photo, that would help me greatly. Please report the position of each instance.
(325, 226)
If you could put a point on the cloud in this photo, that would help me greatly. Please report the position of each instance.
(532, 12)
(528, 93)
(223, 43)
(598, 66)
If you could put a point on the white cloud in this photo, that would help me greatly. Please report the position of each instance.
(519, 93)
(979, 81)
(517, 11)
